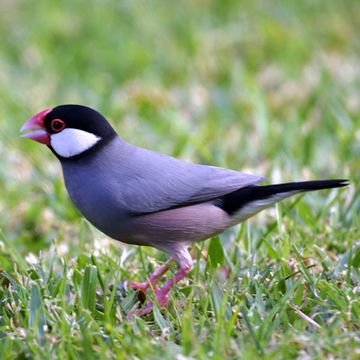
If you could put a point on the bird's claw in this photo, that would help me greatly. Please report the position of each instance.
(142, 286)
(162, 297)
(162, 294)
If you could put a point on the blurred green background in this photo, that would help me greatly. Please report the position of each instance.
(269, 87)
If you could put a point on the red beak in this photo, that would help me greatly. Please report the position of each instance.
(35, 128)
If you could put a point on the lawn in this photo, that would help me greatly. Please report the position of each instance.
(268, 87)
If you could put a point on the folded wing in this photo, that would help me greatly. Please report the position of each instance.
(152, 182)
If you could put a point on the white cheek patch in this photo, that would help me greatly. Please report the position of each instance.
(71, 142)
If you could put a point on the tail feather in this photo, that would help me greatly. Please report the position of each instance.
(266, 195)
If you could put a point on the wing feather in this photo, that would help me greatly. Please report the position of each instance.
(152, 182)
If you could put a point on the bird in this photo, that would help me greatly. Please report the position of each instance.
(142, 197)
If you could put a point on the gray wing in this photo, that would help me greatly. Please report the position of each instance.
(152, 182)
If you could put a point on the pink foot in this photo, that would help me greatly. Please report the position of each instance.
(163, 294)
(142, 286)
(146, 310)
(162, 299)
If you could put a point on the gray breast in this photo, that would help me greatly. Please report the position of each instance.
(92, 187)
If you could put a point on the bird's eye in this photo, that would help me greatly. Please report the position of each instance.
(57, 125)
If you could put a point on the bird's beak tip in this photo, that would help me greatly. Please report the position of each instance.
(36, 128)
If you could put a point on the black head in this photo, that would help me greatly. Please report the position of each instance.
(70, 131)
(78, 117)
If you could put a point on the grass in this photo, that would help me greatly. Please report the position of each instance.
(267, 87)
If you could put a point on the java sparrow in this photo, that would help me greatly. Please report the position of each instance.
(142, 197)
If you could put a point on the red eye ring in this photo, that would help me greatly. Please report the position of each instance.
(57, 125)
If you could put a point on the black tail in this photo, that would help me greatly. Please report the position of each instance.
(233, 202)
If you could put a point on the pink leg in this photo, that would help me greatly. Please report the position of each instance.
(162, 294)
(156, 275)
